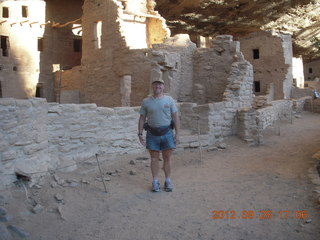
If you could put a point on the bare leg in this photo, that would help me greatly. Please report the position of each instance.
(166, 154)
(154, 163)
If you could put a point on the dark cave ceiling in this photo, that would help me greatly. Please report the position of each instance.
(300, 18)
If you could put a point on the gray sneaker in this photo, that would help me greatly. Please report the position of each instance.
(168, 187)
(155, 186)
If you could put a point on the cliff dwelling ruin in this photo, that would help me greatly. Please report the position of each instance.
(102, 55)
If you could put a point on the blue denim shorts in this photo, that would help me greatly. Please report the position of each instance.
(160, 143)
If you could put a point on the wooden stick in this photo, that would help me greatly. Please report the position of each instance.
(101, 174)
(58, 25)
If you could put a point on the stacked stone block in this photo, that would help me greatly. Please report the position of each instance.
(312, 105)
(78, 132)
(298, 104)
(280, 110)
(252, 122)
(36, 136)
(23, 138)
(249, 126)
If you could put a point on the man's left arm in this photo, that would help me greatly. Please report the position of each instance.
(176, 121)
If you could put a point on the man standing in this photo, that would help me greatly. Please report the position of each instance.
(161, 114)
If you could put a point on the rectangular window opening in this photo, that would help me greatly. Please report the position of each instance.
(39, 91)
(25, 12)
(294, 82)
(98, 33)
(5, 45)
(256, 53)
(40, 44)
(5, 12)
(77, 45)
(256, 86)
(310, 70)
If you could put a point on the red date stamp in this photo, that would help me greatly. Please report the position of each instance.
(262, 214)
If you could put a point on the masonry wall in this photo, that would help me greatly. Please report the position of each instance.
(19, 55)
(312, 105)
(58, 43)
(173, 62)
(301, 92)
(212, 68)
(117, 71)
(34, 45)
(23, 138)
(298, 105)
(311, 70)
(288, 58)
(119, 54)
(37, 136)
(274, 64)
(77, 132)
(253, 122)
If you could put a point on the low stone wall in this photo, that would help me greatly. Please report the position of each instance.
(40, 136)
(252, 122)
(280, 110)
(298, 104)
(23, 138)
(297, 93)
(312, 105)
(37, 136)
(77, 132)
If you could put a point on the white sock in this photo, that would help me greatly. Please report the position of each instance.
(168, 180)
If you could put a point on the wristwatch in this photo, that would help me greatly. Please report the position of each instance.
(139, 134)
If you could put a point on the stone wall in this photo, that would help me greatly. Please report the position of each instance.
(311, 70)
(297, 93)
(58, 43)
(23, 138)
(280, 110)
(298, 104)
(212, 68)
(312, 105)
(252, 122)
(19, 56)
(190, 74)
(34, 45)
(37, 136)
(272, 62)
(77, 132)
(116, 37)
(177, 70)
(215, 121)
(286, 43)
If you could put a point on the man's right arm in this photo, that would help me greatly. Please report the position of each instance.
(141, 122)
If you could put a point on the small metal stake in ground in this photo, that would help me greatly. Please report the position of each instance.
(101, 173)
(278, 125)
(199, 139)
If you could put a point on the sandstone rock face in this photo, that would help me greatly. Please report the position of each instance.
(215, 17)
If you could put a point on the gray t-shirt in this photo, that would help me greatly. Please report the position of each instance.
(158, 110)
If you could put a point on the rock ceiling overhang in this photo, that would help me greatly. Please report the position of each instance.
(300, 18)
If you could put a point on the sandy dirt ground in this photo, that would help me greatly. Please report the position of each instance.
(267, 192)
